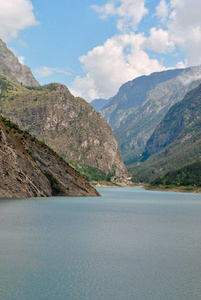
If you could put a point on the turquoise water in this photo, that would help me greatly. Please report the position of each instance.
(127, 244)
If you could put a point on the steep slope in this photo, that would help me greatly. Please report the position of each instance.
(12, 68)
(67, 124)
(176, 141)
(28, 168)
(182, 118)
(141, 104)
(98, 104)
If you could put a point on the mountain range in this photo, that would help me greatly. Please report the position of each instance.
(155, 118)
(139, 106)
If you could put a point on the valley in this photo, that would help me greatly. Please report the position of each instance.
(155, 119)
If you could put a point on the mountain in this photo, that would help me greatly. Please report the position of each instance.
(141, 104)
(67, 124)
(182, 119)
(175, 142)
(98, 104)
(13, 69)
(29, 168)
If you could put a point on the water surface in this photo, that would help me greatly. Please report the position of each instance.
(127, 244)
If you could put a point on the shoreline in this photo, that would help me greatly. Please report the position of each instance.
(183, 189)
(114, 184)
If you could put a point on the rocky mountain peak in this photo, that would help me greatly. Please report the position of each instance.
(56, 87)
(12, 68)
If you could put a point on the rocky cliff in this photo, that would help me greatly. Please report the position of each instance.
(141, 104)
(12, 68)
(67, 124)
(29, 168)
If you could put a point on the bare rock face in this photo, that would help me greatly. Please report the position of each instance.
(29, 168)
(67, 124)
(12, 68)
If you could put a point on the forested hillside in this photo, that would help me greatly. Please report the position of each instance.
(189, 175)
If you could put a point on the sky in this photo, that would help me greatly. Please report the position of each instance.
(94, 46)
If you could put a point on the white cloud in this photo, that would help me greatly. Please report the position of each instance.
(85, 88)
(162, 10)
(184, 27)
(180, 65)
(43, 71)
(47, 71)
(21, 59)
(130, 12)
(123, 57)
(194, 75)
(159, 41)
(120, 59)
(106, 10)
(15, 15)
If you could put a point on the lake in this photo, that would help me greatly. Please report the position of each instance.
(129, 244)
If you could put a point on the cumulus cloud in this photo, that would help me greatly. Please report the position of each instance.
(130, 12)
(15, 15)
(180, 65)
(124, 57)
(120, 59)
(159, 41)
(85, 87)
(162, 10)
(47, 71)
(184, 27)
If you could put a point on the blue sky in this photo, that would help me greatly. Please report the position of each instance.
(94, 46)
